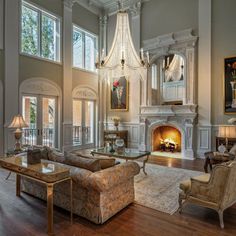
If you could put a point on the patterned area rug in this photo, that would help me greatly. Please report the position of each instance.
(159, 190)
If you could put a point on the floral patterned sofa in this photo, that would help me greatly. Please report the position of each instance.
(97, 195)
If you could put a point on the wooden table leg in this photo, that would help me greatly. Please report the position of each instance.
(18, 183)
(144, 165)
(50, 208)
(9, 174)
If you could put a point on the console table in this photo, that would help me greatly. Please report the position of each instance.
(46, 173)
(123, 134)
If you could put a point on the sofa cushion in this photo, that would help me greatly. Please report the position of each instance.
(82, 162)
(105, 162)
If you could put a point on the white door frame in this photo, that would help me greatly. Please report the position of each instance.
(46, 88)
(39, 122)
(86, 93)
(1, 120)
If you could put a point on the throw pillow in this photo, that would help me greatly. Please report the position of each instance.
(56, 156)
(82, 162)
(105, 162)
(233, 150)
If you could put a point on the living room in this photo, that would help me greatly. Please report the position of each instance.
(117, 117)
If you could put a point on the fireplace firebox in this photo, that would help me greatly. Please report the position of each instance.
(167, 139)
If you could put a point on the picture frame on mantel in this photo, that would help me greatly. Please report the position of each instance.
(230, 85)
(119, 94)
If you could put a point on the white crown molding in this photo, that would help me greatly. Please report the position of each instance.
(167, 40)
(89, 5)
(110, 7)
(69, 3)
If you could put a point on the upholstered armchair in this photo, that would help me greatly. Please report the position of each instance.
(216, 190)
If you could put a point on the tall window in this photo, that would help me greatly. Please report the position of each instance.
(40, 32)
(84, 49)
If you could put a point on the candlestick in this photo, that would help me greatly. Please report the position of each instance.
(148, 59)
(141, 54)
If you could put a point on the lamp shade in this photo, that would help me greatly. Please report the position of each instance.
(18, 122)
(227, 131)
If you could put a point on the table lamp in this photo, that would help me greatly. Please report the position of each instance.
(227, 131)
(18, 123)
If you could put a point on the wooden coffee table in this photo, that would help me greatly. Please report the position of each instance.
(45, 172)
(128, 155)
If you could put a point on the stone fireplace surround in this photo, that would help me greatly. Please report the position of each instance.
(181, 117)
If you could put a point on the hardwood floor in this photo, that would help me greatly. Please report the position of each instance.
(26, 216)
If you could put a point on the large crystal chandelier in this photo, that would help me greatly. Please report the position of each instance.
(122, 59)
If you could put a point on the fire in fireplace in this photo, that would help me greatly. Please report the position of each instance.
(167, 139)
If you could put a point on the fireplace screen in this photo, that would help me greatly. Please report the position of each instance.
(166, 139)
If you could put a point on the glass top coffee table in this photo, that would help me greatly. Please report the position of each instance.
(47, 173)
(128, 155)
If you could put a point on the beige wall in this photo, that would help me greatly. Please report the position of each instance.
(85, 19)
(83, 78)
(166, 16)
(54, 6)
(32, 67)
(223, 45)
(1, 65)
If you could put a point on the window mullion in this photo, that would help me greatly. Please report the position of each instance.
(40, 33)
(84, 48)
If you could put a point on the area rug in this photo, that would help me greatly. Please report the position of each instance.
(159, 189)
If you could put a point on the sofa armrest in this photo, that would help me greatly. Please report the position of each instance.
(106, 179)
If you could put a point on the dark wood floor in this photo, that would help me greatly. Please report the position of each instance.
(26, 216)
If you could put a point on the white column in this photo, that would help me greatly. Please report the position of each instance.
(1, 89)
(67, 74)
(204, 74)
(204, 62)
(1, 24)
(11, 83)
(136, 24)
(102, 84)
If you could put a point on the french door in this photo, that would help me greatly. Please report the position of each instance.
(40, 113)
(83, 123)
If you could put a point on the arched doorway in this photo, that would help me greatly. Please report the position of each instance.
(84, 116)
(40, 107)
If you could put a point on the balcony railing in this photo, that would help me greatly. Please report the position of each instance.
(78, 131)
(29, 136)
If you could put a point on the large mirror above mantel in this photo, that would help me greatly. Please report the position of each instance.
(168, 80)
(172, 73)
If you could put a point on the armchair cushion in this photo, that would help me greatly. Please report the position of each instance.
(186, 185)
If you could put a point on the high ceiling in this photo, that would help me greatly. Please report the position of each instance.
(106, 6)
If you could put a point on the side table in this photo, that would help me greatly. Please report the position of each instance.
(10, 153)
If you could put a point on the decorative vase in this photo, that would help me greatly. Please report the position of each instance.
(116, 124)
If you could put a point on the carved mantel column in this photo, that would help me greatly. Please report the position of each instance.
(67, 74)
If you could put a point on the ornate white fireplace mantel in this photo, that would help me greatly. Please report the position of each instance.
(181, 117)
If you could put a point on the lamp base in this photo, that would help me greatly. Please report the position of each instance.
(18, 134)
